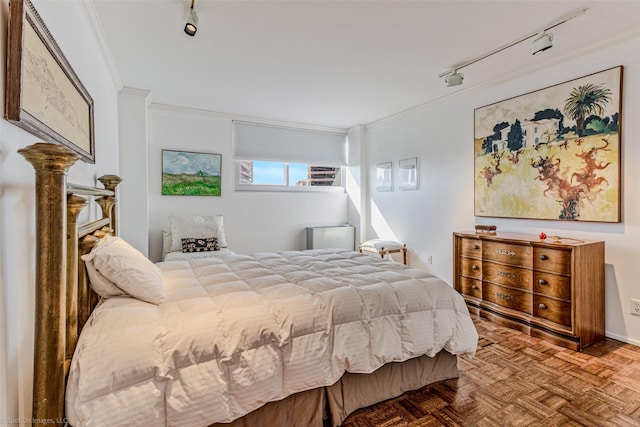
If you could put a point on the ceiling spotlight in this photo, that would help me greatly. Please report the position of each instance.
(192, 21)
(542, 42)
(454, 79)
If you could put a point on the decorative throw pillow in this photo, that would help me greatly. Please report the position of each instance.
(128, 269)
(191, 244)
(196, 226)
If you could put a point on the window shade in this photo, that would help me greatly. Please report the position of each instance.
(253, 141)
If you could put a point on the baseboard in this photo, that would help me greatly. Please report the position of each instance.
(622, 338)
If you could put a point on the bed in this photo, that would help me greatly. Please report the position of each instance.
(321, 333)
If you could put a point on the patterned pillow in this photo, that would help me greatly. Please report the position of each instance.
(206, 244)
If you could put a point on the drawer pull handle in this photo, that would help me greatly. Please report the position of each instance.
(474, 287)
(542, 306)
(475, 247)
(505, 274)
(505, 296)
(542, 282)
(474, 267)
(543, 257)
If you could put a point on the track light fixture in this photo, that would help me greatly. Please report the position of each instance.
(542, 42)
(454, 79)
(192, 21)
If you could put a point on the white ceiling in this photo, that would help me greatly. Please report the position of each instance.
(338, 63)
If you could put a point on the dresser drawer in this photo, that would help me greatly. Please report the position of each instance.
(508, 275)
(471, 267)
(552, 285)
(471, 248)
(554, 260)
(507, 253)
(471, 287)
(552, 309)
(506, 297)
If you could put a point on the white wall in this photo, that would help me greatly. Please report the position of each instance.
(134, 163)
(441, 136)
(355, 182)
(254, 221)
(17, 196)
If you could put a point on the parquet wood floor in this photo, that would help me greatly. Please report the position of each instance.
(517, 380)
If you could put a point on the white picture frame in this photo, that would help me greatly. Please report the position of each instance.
(384, 176)
(408, 174)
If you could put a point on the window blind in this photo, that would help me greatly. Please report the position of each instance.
(252, 141)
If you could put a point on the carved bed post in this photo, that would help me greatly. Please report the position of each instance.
(51, 163)
(107, 203)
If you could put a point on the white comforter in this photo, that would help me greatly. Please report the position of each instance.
(240, 331)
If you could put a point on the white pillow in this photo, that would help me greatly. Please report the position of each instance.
(166, 243)
(197, 227)
(100, 284)
(128, 269)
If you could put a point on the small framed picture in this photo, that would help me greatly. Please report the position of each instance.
(384, 176)
(409, 174)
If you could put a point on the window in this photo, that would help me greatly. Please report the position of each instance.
(255, 174)
(269, 157)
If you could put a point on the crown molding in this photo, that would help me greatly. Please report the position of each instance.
(239, 117)
(91, 13)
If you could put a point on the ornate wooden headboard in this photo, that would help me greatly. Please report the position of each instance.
(64, 299)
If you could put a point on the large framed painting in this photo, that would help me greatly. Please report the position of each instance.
(43, 94)
(552, 154)
(186, 173)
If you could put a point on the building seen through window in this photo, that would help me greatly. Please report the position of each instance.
(253, 172)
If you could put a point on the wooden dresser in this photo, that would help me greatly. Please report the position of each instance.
(551, 289)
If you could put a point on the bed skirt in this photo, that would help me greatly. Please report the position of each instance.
(353, 391)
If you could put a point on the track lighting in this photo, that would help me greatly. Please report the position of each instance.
(454, 79)
(542, 42)
(192, 21)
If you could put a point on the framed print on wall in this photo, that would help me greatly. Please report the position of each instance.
(185, 173)
(384, 176)
(44, 95)
(553, 153)
(409, 174)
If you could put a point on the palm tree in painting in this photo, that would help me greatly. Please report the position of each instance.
(584, 101)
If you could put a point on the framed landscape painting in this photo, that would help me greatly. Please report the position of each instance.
(553, 153)
(186, 173)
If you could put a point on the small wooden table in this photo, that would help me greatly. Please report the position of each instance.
(383, 247)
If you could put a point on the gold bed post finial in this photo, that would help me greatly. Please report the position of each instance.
(51, 163)
(107, 203)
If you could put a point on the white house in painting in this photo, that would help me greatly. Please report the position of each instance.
(540, 131)
(534, 132)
